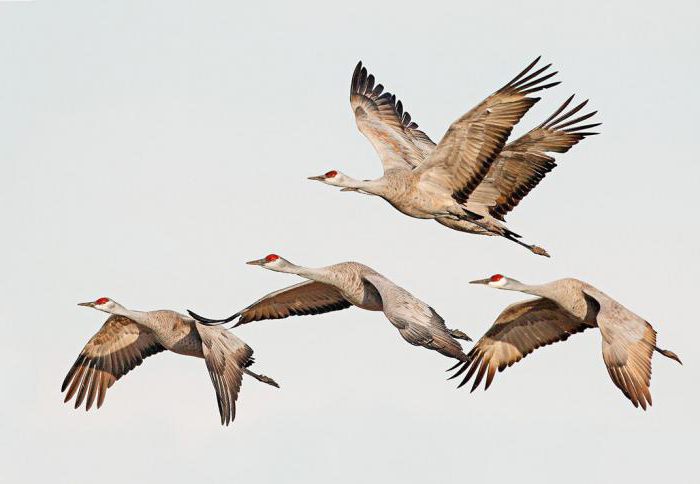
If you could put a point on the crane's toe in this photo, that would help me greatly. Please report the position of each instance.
(539, 251)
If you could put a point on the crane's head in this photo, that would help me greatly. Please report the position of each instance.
(498, 281)
(102, 304)
(337, 179)
(272, 262)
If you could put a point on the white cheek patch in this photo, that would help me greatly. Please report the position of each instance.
(499, 283)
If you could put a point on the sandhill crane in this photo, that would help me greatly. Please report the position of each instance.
(127, 337)
(468, 181)
(563, 308)
(346, 284)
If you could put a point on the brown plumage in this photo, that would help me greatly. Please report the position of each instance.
(471, 178)
(128, 337)
(381, 118)
(117, 348)
(524, 162)
(563, 308)
(309, 297)
(463, 157)
(519, 330)
(348, 284)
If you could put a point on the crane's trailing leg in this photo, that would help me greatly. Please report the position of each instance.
(669, 354)
(502, 232)
(535, 249)
(262, 378)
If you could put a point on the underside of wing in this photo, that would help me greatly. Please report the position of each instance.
(628, 361)
(309, 297)
(628, 344)
(117, 348)
(226, 356)
(524, 163)
(519, 330)
(417, 322)
(382, 119)
(465, 154)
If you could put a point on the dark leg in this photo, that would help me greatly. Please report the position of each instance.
(262, 378)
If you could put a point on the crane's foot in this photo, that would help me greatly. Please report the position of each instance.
(262, 378)
(539, 251)
(455, 333)
(268, 380)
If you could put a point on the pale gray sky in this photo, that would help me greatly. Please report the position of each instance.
(150, 148)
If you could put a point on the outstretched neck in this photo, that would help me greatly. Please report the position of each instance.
(370, 187)
(542, 290)
(315, 274)
(138, 316)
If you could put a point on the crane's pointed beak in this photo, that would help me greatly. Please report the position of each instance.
(480, 281)
(257, 262)
(87, 304)
(317, 178)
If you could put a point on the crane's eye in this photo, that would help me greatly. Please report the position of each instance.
(102, 300)
(271, 258)
(331, 174)
(496, 277)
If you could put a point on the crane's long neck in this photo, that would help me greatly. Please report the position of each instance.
(542, 290)
(314, 274)
(140, 317)
(369, 187)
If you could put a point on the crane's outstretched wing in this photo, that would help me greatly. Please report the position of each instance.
(464, 155)
(628, 343)
(519, 330)
(417, 322)
(226, 357)
(308, 297)
(381, 118)
(524, 162)
(117, 348)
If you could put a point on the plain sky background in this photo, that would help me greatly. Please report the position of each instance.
(148, 149)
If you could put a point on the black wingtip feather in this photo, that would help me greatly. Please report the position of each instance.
(212, 322)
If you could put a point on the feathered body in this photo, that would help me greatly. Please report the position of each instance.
(562, 308)
(128, 337)
(346, 284)
(471, 179)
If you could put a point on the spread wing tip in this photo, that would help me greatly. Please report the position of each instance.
(562, 122)
(528, 82)
(212, 322)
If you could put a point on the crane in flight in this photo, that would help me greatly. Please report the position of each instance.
(471, 179)
(562, 308)
(127, 337)
(346, 284)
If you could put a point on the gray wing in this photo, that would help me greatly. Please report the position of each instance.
(117, 348)
(417, 322)
(519, 330)
(524, 162)
(628, 343)
(464, 155)
(381, 118)
(226, 356)
(308, 297)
